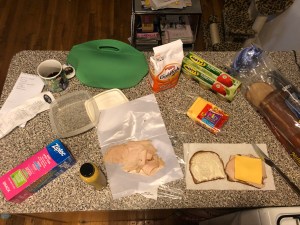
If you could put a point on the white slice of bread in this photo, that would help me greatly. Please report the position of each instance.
(257, 92)
(206, 166)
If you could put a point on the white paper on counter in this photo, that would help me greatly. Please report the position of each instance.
(224, 151)
(25, 112)
(139, 119)
(27, 86)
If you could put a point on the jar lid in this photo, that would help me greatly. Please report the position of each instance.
(105, 100)
(87, 170)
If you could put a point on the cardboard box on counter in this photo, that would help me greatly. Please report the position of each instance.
(35, 172)
(210, 77)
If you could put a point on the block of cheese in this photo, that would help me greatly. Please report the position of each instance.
(248, 169)
(207, 115)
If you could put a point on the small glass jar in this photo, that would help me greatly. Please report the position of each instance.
(92, 175)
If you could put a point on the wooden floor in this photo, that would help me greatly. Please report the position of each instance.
(163, 217)
(16, 220)
(60, 24)
(19, 220)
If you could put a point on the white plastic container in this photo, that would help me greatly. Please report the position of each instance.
(69, 116)
(78, 112)
(105, 100)
(262, 216)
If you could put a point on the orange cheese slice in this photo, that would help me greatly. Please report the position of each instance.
(196, 108)
(248, 169)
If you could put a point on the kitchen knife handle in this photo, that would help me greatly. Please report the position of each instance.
(287, 180)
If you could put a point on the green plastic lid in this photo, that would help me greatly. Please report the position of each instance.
(108, 64)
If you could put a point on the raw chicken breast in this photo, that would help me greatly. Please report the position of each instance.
(135, 157)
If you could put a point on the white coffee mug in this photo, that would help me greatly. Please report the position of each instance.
(55, 75)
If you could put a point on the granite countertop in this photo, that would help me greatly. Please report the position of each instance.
(69, 193)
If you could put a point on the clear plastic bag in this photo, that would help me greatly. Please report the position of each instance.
(139, 119)
(272, 95)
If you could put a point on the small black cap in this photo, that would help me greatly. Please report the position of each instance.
(87, 170)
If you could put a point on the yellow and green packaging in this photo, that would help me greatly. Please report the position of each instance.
(210, 77)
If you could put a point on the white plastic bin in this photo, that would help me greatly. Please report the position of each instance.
(262, 216)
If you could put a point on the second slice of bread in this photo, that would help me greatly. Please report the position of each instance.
(206, 166)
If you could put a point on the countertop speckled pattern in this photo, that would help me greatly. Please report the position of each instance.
(69, 193)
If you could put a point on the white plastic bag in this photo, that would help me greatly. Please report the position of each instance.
(272, 95)
(139, 119)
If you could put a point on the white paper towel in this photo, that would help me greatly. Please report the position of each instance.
(224, 151)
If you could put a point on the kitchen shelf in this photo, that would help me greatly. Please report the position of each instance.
(193, 12)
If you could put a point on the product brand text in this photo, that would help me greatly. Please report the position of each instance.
(58, 149)
(6, 186)
(198, 61)
(169, 74)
